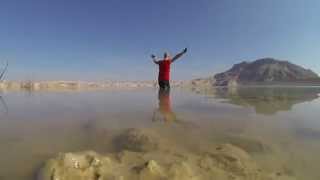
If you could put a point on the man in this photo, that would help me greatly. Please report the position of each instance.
(164, 68)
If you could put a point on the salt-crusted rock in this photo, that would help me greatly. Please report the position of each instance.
(80, 166)
(151, 170)
(224, 162)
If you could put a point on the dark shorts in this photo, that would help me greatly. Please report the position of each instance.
(164, 84)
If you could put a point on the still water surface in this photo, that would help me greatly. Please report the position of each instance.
(37, 126)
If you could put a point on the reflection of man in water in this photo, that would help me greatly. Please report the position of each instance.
(164, 68)
(164, 112)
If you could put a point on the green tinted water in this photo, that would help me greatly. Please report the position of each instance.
(279, 127)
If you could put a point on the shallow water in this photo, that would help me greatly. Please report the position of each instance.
(279, 127)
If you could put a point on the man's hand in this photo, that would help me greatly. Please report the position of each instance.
(154, 59)
(184, 50)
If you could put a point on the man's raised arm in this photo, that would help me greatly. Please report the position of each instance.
(154, 59)
(179, 55)
(3, 71)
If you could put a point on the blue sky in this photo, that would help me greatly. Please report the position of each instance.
(113, 39)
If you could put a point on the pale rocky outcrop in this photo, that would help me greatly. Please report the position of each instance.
(266, 71)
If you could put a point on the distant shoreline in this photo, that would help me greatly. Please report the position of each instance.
(79, 85)
(128, 85)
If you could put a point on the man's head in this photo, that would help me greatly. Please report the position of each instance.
(165, 55)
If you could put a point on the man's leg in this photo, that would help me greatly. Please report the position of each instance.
(167, 84)
(164, 85)
(161, 85)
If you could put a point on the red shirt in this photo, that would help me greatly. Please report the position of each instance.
(164, 70)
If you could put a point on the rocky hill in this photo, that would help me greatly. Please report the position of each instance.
(265, 71)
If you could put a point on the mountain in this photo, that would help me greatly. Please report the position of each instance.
(265, 71)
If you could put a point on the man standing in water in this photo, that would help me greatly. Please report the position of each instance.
(164, 68)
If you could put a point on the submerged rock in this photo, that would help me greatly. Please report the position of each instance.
(248, 144)
(280, 176)
(233, 161)
(307, 133)
(138, 140)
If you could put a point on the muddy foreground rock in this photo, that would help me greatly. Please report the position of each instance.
(226, 163)
(223, 162)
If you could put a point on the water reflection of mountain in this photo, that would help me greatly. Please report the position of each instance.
(269, 100)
